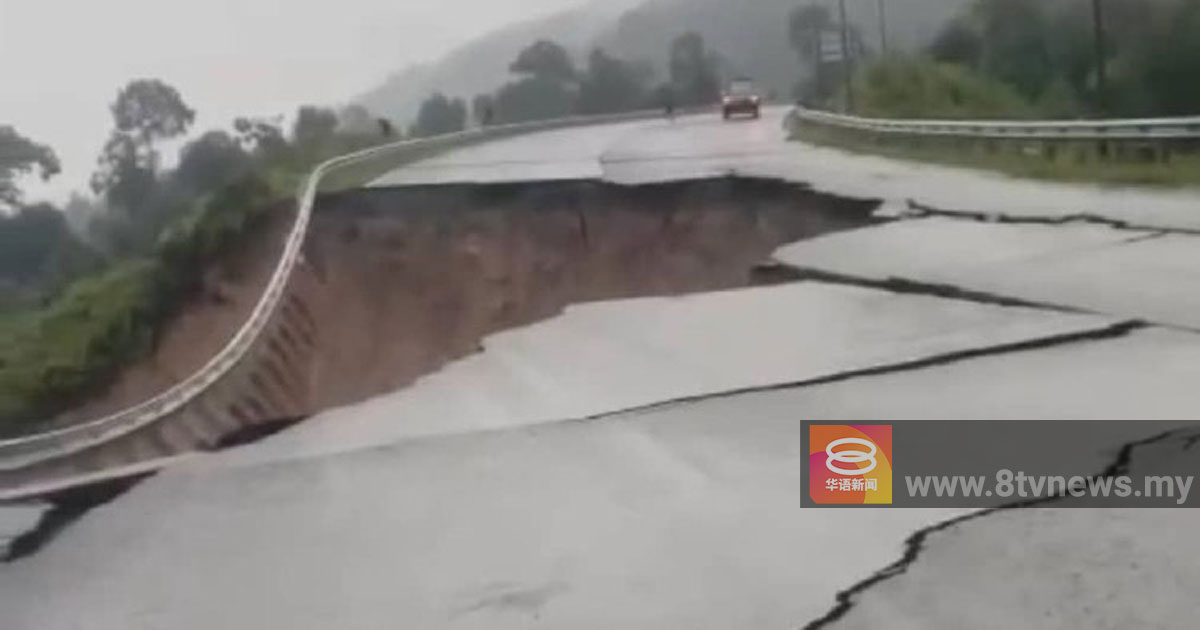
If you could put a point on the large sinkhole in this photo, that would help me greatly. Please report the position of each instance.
(411, 278)
(408, 279)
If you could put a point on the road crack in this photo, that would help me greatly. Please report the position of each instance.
(918, 210)
(915, 544)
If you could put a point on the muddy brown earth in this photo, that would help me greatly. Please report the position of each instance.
(412, 278)
(209, 319)
(408, 279)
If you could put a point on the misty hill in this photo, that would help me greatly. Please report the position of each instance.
(481, 65)
(750, 35)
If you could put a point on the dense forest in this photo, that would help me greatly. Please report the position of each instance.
(1046, 58)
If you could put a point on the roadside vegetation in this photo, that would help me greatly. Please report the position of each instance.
(1077, 162)
(1023, 59)
(87, 289)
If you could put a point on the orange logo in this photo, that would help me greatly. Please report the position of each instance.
(850, 464)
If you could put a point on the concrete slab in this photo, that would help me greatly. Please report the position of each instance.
(1051, 568)
(705, 146)
(1093, 267)
(604, 357)
(680, 517)
(561, 154)
(1149, 374)
(632, 523)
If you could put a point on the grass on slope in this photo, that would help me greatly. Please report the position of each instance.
(52, 357)
(1071, 164)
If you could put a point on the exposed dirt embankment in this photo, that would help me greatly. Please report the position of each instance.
(210, 318)
(413, 278)
(402, 281)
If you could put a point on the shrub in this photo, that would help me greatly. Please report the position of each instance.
(80, 340)
(921, 88)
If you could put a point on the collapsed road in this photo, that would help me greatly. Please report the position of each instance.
(635, 461)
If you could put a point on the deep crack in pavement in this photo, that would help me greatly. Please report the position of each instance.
(846, 600)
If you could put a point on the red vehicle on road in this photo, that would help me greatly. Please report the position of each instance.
(741, 97)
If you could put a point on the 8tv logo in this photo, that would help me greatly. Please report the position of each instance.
(850, 464)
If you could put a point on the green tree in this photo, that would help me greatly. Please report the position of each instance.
(806, 24)
(547, 85)
(693, 71)
(544, 59)
(210, 162)
(440, 114)
(37, 247)
(150, 111)
(146, 113)
(261, 136)
(1047, 51)
(534, 99)
(611, 85)
(958, 43)
(314, 127)
(483, 109)
(1170, 63)
(20, 156)
(1017, 50)
(356, 120)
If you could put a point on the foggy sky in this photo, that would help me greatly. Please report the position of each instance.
(62, 62)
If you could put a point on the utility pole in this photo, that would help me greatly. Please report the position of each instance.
(883, 43)
(1101, 55)
(847, 64)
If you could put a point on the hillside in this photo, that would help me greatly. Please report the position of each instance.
(481, 65)
(751, 36)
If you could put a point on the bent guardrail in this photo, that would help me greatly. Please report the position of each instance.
(22, 452)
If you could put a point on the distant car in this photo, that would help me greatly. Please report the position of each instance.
(742, 97)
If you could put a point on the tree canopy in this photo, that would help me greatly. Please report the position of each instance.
(534, 98)
(20, 156)
(1046, 51)
(36, 246)
(150, 110)
(805, 25)
(210, 162)
(440, 114)
(693, 70)
(314, 126)
(544, 60)
(146, 112)
(611, 84)
(261, 136)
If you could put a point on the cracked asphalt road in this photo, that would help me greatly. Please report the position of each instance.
(701, 146)
(652, 519)
(466, 502)
(1045, 567)
(1097, 268)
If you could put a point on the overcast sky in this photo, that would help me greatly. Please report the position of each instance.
(62, 61)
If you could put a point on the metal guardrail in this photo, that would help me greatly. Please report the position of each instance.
(21, 452)
(1148, 129)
